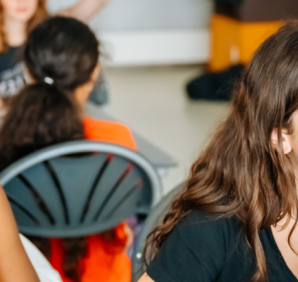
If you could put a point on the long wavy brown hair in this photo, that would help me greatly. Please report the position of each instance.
(45, 114)
(240, 173)
(40, 14)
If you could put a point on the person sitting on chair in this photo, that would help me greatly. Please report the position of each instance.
(61, 56)
(17, 19)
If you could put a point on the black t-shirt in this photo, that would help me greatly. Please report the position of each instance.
(205, 248)
(13, 76)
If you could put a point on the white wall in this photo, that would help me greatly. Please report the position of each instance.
(136, 32)
(148, 14)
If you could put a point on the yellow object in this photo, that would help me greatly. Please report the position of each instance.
(234, 42)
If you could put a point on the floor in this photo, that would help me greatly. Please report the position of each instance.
(152, 101)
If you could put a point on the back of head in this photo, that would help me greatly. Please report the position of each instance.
(241, 173)
(63, 49)
(60, 55)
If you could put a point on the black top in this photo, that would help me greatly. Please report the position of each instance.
(203, 248)
(12, 72)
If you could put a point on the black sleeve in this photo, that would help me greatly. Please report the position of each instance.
(229, 2)
(193, 252)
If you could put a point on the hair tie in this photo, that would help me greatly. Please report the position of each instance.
(48, 80)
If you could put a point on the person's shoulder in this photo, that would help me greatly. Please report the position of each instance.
(88, 121)
(197, 249)
(199, 218)
(208, 227)
(10, 57)
(44, 270)
(109, 131)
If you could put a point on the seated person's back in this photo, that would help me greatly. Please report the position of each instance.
(61, 57)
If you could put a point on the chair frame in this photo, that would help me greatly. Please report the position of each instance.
(84, 146)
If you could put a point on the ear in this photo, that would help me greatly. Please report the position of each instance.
(29, 78)
(95, 73)
(286, 144)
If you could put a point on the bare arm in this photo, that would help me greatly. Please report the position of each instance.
(145, 278)
(14, 262)
(84, 9)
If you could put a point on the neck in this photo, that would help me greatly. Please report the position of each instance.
(81, 94)
(15, 32)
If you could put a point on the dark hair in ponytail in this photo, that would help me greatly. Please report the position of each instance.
(63, 49)
(60, 55)
(39, 116)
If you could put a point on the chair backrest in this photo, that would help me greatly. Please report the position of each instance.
(154, 218)
(79, 188)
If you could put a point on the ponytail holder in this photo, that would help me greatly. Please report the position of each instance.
(48, 80)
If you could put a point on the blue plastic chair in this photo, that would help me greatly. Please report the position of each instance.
(79, 188)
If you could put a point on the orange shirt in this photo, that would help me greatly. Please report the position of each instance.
(105, 261)
(108, 131)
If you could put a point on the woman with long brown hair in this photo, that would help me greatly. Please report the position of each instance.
(17, 19)
(236, 219)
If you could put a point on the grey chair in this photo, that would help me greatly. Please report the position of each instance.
(79, 188)
(154, 218)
